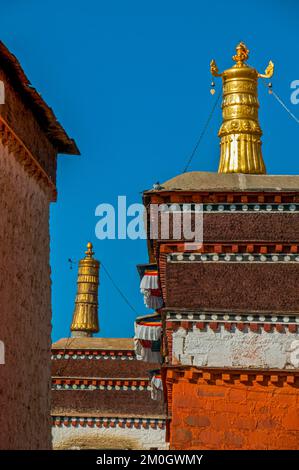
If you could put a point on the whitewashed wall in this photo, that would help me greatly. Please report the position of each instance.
(107, 438)
(236, 348)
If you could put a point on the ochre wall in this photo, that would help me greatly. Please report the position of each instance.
(25, 306)
(234, 416)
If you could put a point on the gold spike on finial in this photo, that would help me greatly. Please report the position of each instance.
(85, 316)
(268, 72)
(240, 132)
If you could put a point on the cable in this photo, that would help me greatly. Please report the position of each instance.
(285, 106)
(118, 289)
(113, 282)
(205, 127)
(281, 102)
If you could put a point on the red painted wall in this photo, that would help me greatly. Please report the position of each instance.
(234, 416)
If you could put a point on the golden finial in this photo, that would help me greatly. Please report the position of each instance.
(240, 132)
(241, 55)
(85, 316)
(89, 253)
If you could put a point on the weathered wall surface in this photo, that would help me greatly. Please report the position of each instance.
(21, 119)
(234, 416)
(240, 285)
(108, 438)
(25, 306)
(235, 348)
(111, 402)
(236, 226)
(102, 368)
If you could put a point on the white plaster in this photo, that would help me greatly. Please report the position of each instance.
(2, 92)
(2, 353)
(70, 437)
(236, 348)
(186, 359)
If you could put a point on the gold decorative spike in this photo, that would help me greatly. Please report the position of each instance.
(85, 316)
(240, 132)
(269, 71)
(214, 69)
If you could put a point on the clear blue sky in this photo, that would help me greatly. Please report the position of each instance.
(129, 80)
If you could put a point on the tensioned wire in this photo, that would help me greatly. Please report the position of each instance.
(201, 135)
(281, 102)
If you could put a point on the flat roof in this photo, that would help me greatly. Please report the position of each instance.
(218, 182)
(43, 113)
(117, 344)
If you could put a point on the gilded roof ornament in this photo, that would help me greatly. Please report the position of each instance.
(85, 316)
(240, 132)
(89, 252)
(268, 72)
(242, 54)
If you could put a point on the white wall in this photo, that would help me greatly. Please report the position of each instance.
(236, 348)
(69, 437)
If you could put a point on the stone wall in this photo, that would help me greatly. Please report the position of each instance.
(25, 306)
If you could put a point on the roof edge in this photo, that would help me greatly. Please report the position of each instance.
(44, 114)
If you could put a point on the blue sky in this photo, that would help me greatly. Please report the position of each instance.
(129, 80)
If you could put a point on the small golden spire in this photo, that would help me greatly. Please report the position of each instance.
(85, 316)
(240, 132)
(89, 253)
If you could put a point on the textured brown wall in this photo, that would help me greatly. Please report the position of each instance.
(234, 227)
(102, 368)
(21, 119)
(256, 286)
(106, 403)
(262, 227)
(25, 306)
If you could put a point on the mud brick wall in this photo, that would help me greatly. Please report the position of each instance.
(25, 306)
(21, 119)
(248, 286)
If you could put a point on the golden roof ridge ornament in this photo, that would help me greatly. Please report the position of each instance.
(240, 132)
(85, 316)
